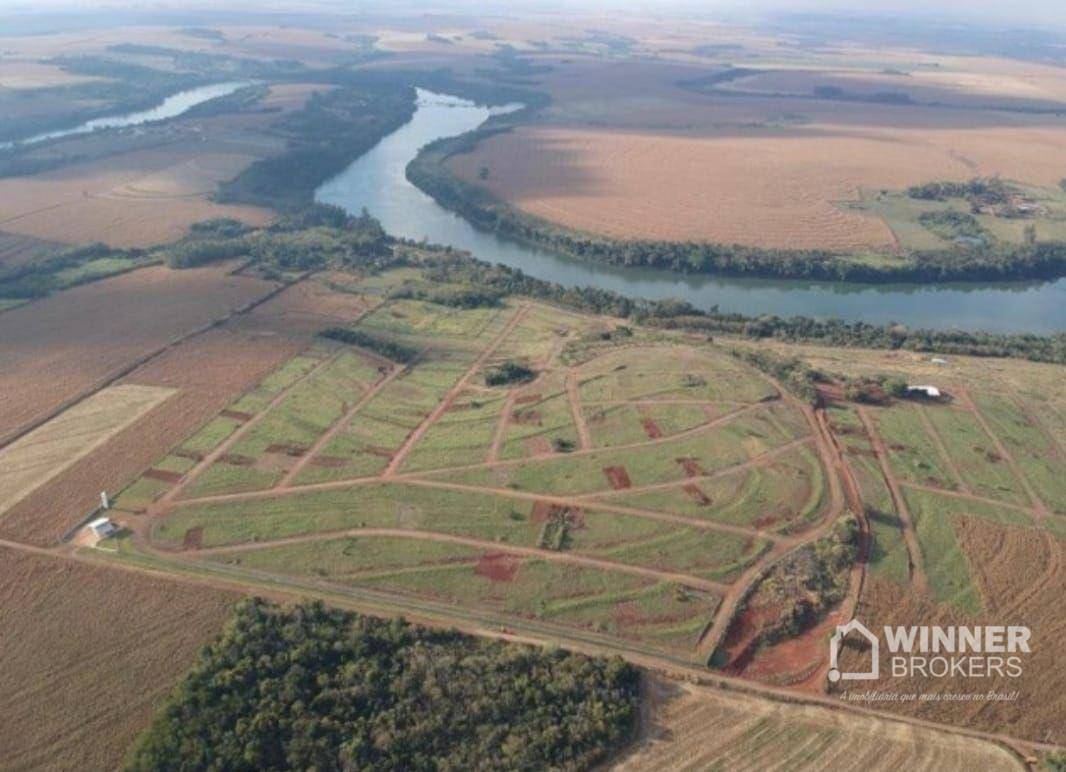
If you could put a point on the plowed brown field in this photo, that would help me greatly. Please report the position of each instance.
(626, 151)
(692, 728)
(1041, 692)
(55, 349)
(88, 654)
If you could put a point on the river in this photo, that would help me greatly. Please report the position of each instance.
(377, 181)
(171, 107)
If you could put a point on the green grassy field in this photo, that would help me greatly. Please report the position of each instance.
(975, 456)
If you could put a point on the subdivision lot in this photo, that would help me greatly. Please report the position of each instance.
(89, 654)
(331, 470)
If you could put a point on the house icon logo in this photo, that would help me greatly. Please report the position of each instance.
(834, 651)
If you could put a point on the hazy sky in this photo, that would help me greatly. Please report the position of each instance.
(1020, 13)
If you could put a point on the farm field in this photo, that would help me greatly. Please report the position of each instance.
(643, 150)
(693, 728)
(96, 652)
(58, 347)
(207, 372)
(33, 460)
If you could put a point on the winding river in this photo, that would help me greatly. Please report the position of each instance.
(171, 107)
(376, 181)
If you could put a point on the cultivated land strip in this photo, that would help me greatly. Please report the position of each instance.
(489, 546)
(941, 449)
(442, 407)
(224, 448)
(574, 398)
(501, 427)
(1039, 508)
(340, 425)
(970, 497)
(910, 536)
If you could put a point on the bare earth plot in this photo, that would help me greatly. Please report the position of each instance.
(96, 652)
(44, 453)
(691, 728)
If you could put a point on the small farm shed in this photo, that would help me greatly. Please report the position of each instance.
(931, 392)
(102, 528)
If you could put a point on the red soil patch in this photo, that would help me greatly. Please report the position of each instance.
(236, 459)
(537, 446)
(691, 466)
(164, 475)
(377, 450)
(696, 494)
(797, 662)
(194, 539)
(236, 415)
(296, 451)
(618, 477)
(525, 399)
(651, 428)
(542, 511)
(498, 567)
(526, 417)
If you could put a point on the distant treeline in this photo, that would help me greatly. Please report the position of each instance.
(317, 688)
(990, 262)
(332, 130)
(69, 268)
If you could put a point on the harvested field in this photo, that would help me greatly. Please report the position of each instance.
(43, 454)
(695, 728)
(89, 654)
(1037, 711)
(136, 199)
(57, 348)
(628, 152)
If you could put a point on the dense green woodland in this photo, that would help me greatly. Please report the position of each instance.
(315, 688)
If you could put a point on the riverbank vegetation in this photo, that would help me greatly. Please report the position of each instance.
(310, 687)
(320, 237)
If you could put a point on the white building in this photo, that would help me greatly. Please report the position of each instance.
(925, 391)
(102, 527)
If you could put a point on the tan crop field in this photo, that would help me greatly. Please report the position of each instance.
(44, 453)
(88, 655)
(56, 348)
(692, 728)
(627, 151)
(138, 199)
